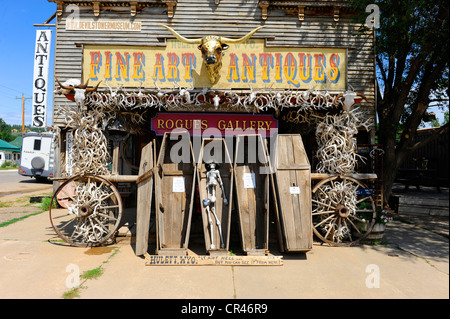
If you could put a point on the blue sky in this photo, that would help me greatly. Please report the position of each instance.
(17, 44)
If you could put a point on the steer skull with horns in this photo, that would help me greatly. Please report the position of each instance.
(212, 48)
(74, 87)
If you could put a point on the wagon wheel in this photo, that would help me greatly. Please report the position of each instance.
(90, 215)
(339, 205)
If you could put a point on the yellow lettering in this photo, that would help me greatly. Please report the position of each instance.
(197, 124)
(158, 73)
(179, 123)
(138, 72)
(221, 125)
(122, 65)
(108, 65)
(169, 126)
(232, 68)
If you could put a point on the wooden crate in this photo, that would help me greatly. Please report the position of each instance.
(215, 150)
(252, 177)
(174, 197)
(292, 187)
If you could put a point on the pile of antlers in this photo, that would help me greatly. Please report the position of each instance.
(336, 139)
(89, 151)
(180, 97)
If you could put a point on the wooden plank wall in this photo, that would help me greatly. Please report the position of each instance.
(232, 18)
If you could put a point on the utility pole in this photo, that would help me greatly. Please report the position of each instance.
(23, 110)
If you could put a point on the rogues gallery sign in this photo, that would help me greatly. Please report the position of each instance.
(217, 124)
(247, 65)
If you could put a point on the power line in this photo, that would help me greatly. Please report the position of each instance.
(10, 88)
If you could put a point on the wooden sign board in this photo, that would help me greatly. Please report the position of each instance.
(224, 124)
(156, 260)
(250, 64)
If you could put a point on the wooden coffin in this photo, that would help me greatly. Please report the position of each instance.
(292, 186)
(214, 150)
(174, 195)
(144, 199)
(252, 177)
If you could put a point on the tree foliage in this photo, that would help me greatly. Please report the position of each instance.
(6, 130)
(412, 49)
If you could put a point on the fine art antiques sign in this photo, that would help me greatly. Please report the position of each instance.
(247, 65)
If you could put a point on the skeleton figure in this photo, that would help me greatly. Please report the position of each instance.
(212, 180)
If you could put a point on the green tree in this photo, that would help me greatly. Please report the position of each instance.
(5, 131)
(412, 49)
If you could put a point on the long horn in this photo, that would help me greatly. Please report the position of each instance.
(243, 39)
(64, 87)
(84, 86)
(94, 89)
(336, 98)
(362, 96)
(180, 37)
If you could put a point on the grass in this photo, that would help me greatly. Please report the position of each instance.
(72, 293)
(45, 204)
(25, 201)
(88, 275)
(12, 221)
(93, 273)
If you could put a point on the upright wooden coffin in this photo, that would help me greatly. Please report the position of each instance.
(252, 177)
(292, 181)
(214, 150)
(144, 199)
(174, 194)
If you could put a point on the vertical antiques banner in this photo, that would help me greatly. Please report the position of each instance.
(249, 64)
(40, 79)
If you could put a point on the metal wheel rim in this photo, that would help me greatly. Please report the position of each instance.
(92, 217)
(338, 214)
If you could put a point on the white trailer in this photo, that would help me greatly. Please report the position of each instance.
(37, 155)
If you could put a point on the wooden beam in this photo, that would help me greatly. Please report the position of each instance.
(59, 8)
(301, 13)
(336, 13)
(170, 6)
(264, 5)
(96, 8)
(133, 8)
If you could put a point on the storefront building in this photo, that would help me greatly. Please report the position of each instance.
(276, 70)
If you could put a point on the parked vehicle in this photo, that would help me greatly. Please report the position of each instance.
(37, 155)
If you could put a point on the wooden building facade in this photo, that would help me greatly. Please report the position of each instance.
(304, 24)
(131, 52)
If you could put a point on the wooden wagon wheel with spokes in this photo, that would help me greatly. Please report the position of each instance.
(89, 211)
(340, 207)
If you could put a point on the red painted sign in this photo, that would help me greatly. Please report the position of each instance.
(215, 123)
